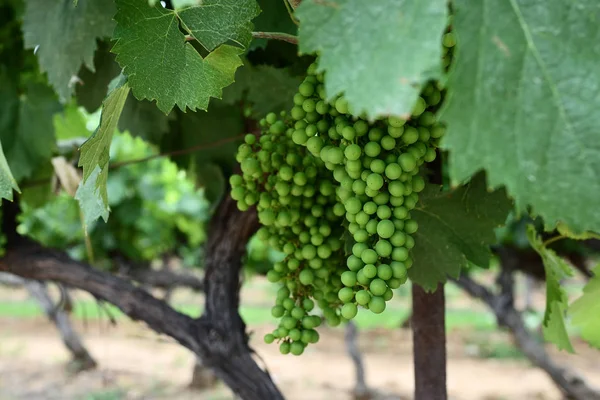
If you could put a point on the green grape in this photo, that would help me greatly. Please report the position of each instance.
(284, 348)
(372, 149)
(385, 229)
(346, 294)
(369, 256)
(349, 310)
(269, 338)
(348, 278)
(385, 271)
(363, 297)
(410, 226)
(377, 304)
(377, 287)
(369, 271)
(297, 348)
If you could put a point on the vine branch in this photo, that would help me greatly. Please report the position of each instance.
(285, 37)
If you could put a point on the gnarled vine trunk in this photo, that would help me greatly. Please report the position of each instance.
(218, 337)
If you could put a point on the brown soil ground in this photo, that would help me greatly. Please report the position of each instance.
(137, 364)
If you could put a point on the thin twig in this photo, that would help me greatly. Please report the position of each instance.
(286, 37)
(290, 12)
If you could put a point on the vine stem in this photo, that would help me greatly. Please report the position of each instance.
(290, 12)
(554, 239)
(285, 37)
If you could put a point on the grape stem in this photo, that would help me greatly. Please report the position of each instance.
(285, 37)
(290, 12)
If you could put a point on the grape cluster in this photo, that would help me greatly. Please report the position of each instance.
(376, 168)
(334, 192)
(296, 202)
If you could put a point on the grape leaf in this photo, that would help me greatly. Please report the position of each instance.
(26, 126)
(379, 54)
(95, 154)
(585, 311)
(556, 269)
(215, 22)
(7, 181)
(66, 35)
(161, 65)
(454, 228)
(523, 104)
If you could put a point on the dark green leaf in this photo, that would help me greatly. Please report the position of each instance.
(523, 104)
(455, 228)
(556, 269)
(66, 36)
(7, 182)
(379, 54)
(161, 65)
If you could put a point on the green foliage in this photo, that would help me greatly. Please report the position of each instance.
(523, 105)
(164, 66)
(556, 269)
(455, 228)
(64, 35)
(92, 194)
(7, 181)
(586, 309)
(378, 54)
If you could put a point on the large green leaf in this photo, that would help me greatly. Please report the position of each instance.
(26, 126)
(585, 311)
(455, 228)
(556, 269)
(523, 104)
(65, 36)
(162, 65)
(7, 182)
(378, 53)
(95, 155)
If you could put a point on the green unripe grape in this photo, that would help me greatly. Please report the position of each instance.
(397, 189)
(281, 332)
(371, 227)
(346, 294)
(400, 254)
(361, 236)
(341, 105)
(277, 128)
(369, 271)
(348, 133)
(388, 142)
(395, 132)
(419, 107)
(299, 137)
(306, 89)
(353, 152)
(250, 166)
(235, 180)
(353, 205)
(273, 276)
(361, 278)
(383, 248)
(354, 263)
(370, 208)
(295, 334)
(297, 348)
(430, 155)
(308, 322)
(288, 304)
(410, 243)
(309, 105)
(297, 313)
(288, 322)
(393, 171)
(362, 218)
(349, 310)
(374, 181)
(377, 304)
(271, 118)
(372, 149)
(385, 229)
(298, 99)
(297, 113)
(384, 272)
(418, 184)
(394, 283)
(308, 304)
(410, 135)
(387, 296)
(353, 227)
(269, 338)
(359, 187)
(399, 269)
(284, 348)
(266, 217)
(324, 251)
(400, 212)
(306, 277)
(335, 155)
(411, 226)
(277, 311)
(358, 248)
(384, 212)
(339, 209)
(314, 144)
(369, 256)
(377, 287)
(377, 166)
(353, 165)
(437, 131)
(375, 134)
(348, 278)
(322, 107)
(398, 239)
(407, 162)
(283, 293)
(361, 127)
(396, 122)
(363, 297)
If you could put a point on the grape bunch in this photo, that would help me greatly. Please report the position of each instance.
(376, 167)
(300, 216)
